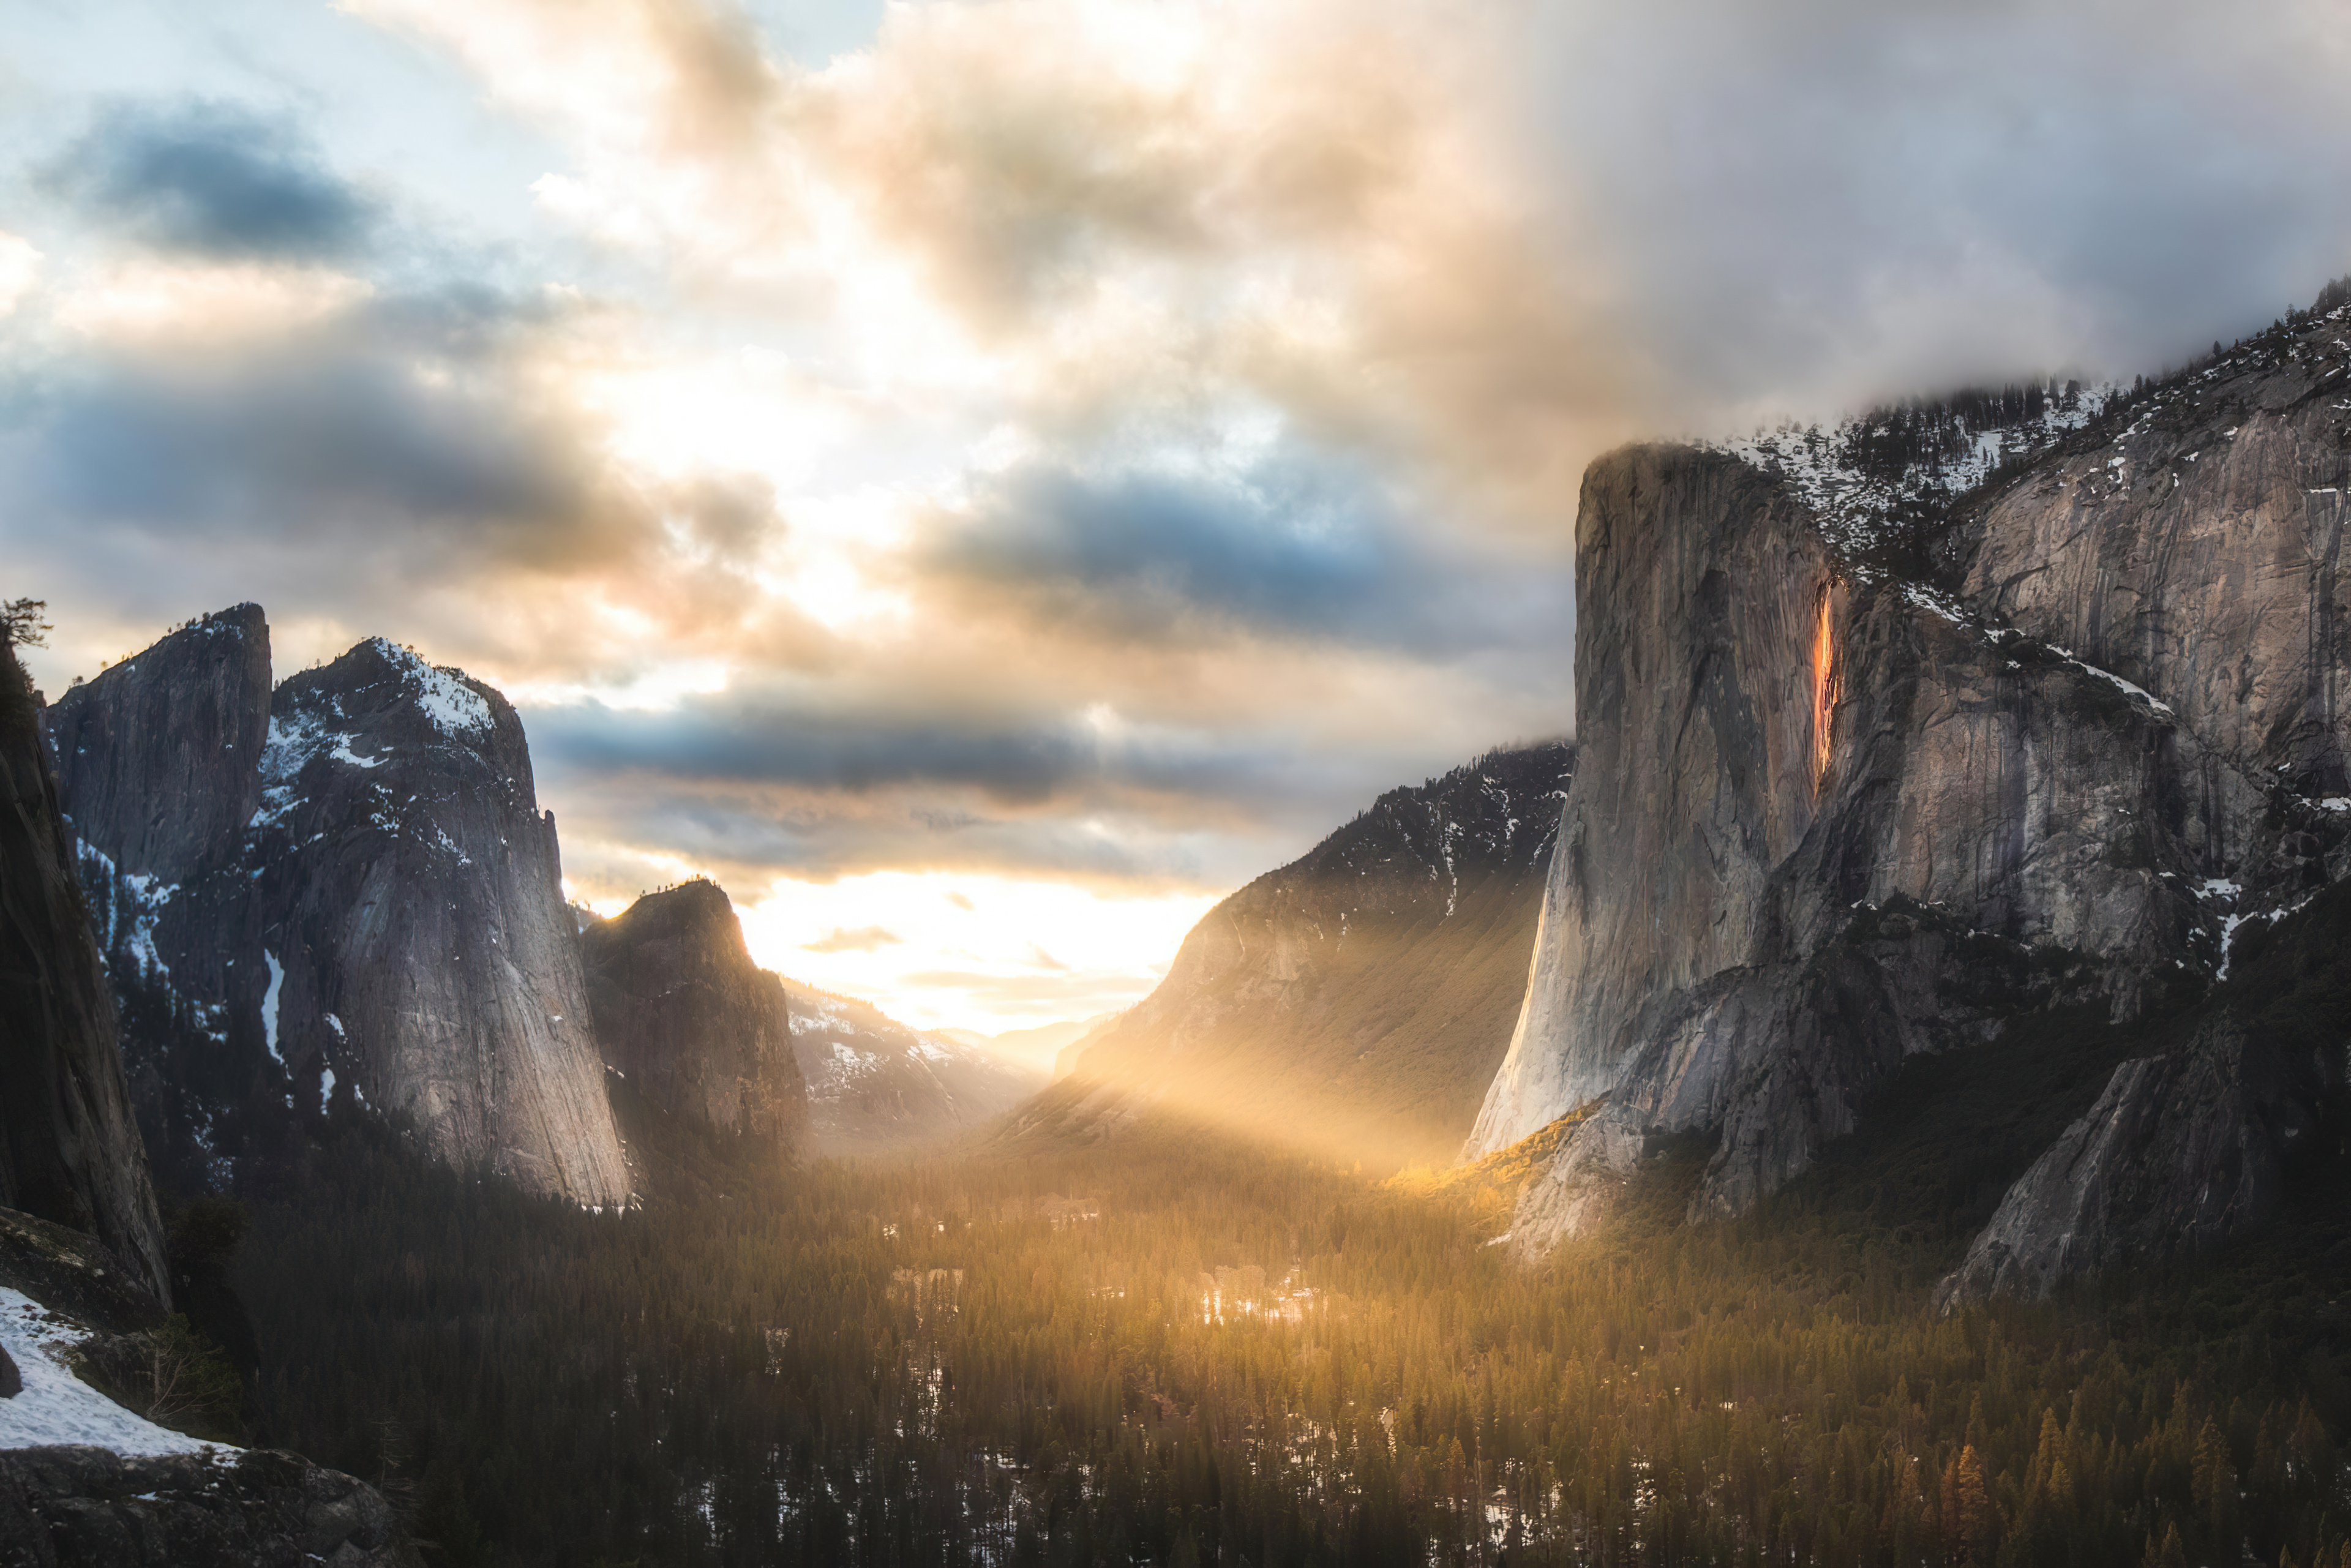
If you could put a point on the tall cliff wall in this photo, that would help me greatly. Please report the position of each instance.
(383, 927)
(1699, 585)
(680, 1008)
(2073, 737)
(69, 1149)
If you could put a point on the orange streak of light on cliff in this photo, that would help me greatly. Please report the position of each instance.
(1824, 687)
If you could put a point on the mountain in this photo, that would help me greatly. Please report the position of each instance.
(1887, 754)
(1037, 1049)
(69, 1147)
(875, 1086)
(335, 896)
(1357, 999)
(683, 1013)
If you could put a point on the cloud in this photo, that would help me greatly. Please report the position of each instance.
(213, 180)
(864, 939)
(1293, 547)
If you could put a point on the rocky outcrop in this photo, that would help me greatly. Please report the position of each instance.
(875, 1086)
(2056, 743)
(1356, 1000)
(383, 927)
(167, 755)
(2195, 1144)
(69, 1147)
(140, 1493)
(84, 1507)
(684, 1014)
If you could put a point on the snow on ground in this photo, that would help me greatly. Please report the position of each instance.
(56, 1406)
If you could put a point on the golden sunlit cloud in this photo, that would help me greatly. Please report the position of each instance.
(152, 304)
(941, 950)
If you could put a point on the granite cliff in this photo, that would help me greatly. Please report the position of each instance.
(340, 893)
(1879, 758)
(69, 1147)
(683, 1012)
(1357, 999)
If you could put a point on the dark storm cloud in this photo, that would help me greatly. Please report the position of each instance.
(1842, 201)
(770, 739)
(766, 782)
(1292, 548)
(399, 432)
(213, 180)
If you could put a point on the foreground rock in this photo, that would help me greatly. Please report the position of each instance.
(87, 1480)
(1355, 1001)
(69, 1148)
(684, 1014)
(1857, 786)
(82, 1507)
(370, 916)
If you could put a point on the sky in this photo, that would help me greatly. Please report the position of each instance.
(984, 478)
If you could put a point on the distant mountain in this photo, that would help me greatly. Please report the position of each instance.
(876, 1086)
(1036, 1049)
(334, 897)
(1358, 999)
(683, 1012)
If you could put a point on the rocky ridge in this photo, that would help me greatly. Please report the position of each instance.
(1861, 780)
(683, 1012)
(371, 917)
(1357, 998)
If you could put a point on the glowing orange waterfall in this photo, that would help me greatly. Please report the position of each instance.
(1825, 687)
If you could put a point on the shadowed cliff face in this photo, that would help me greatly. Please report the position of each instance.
(1355, 1001)
(684, 1012)
(69, 1149)
(383, 928)
(2070, 769)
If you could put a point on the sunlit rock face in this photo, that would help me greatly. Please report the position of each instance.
(69, 1149)
(2083, 725)
(383, 928)
(1355, 1001)
(694, 1023)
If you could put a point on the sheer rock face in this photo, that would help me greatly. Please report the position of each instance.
(1356, 999)
(2200, 554)
(69, 1147)
(680, 1008)
(384, 927)
(2074, 779)
(1698, 585)
(164, 750)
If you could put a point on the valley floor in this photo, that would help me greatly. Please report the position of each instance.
(1176, 1349)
